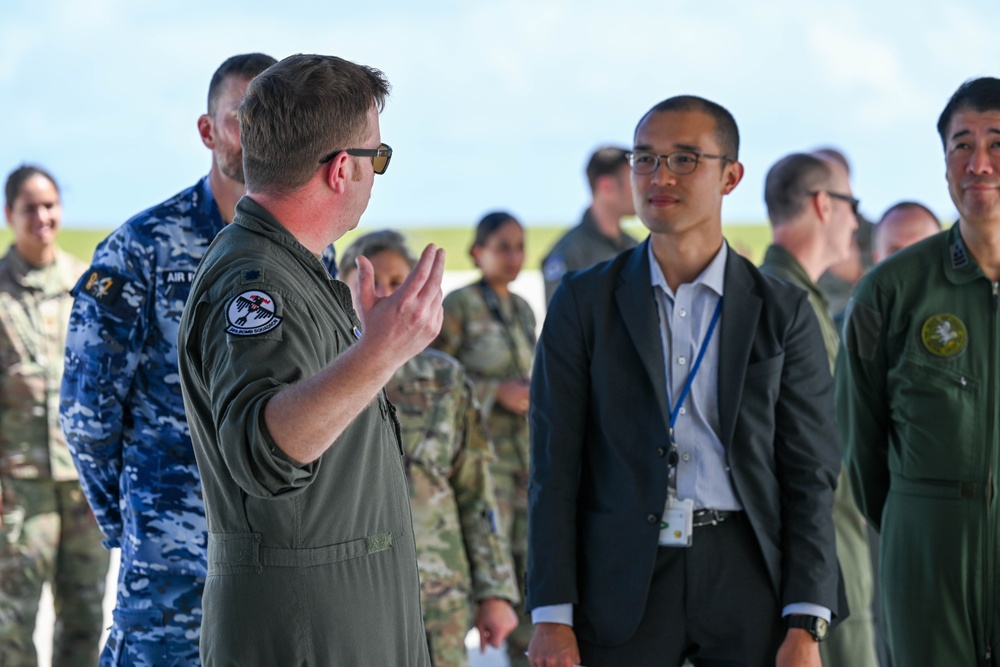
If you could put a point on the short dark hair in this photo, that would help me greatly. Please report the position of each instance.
(489, 224)
(299, 110)
(982, 94)
(371, 244)
(605, 161)
(726, 132)
(244, 66)
(789, 182)
(17, 178)
(904, 205)
(834, 155)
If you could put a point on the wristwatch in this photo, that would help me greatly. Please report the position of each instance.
(816, 626)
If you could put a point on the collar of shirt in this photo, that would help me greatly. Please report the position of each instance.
(713, 277)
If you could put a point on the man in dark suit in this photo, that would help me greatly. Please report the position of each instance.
(684, 455)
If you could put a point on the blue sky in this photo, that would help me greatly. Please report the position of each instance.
(494, 104)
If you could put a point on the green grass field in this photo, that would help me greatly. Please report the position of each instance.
(748, 239)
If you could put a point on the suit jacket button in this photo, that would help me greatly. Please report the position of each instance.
(661, 451)
(652, 518)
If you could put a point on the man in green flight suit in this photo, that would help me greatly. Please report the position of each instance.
(918, 403)
(310, 547)
(813, 218)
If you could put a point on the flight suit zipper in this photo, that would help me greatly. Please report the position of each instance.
(990, 477)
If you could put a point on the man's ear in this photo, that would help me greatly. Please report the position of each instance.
(732, 174)
(336, 172)
(822, 206)
(205, 131)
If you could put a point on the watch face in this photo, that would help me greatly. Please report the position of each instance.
(820, 628)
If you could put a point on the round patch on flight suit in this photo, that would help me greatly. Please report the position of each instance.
(251, 313)
(554, 268)
(944, 335)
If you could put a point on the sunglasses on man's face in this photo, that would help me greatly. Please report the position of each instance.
(380, 156)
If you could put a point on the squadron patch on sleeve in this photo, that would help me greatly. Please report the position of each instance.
(554, 267)
(102, 285)
(944, 335)
(251, 313)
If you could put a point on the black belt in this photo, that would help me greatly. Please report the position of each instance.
(711, 517)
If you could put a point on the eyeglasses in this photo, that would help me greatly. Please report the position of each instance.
(679, 162)
(855, 203)
(380, 156)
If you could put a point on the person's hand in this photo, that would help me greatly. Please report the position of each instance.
(405, 322)
(513, 395)
(495, 619)
(798, 650)
(553, 645)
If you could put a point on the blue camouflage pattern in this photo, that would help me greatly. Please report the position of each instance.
(122, 412)
(161, 634)
(121, 406)
(329, 259)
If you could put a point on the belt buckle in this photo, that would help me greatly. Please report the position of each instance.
(708, 517)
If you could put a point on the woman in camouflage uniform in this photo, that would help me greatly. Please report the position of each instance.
(460, 554)
(492, 333)
(47, 532)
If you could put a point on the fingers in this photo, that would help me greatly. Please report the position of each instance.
(366, 286)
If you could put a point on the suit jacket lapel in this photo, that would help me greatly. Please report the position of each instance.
(740, 310)
(634, 296)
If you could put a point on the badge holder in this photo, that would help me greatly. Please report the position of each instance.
(677, 525)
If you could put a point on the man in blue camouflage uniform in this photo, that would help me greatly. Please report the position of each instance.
(121, 404)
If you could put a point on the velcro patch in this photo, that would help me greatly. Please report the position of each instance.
(251, 276)
(251, 313)
(176, 276)
(102, 285)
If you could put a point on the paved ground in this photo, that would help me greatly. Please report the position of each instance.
(528, 285)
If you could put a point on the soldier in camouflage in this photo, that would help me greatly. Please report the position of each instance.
(460, 554)
(47, 532)
(122, 409)
(491, 332)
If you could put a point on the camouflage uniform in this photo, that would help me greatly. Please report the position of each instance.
(123, 415)
(48, 532)
(459, 551)
(493, 351)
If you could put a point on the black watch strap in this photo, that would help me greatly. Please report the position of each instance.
(816, 626)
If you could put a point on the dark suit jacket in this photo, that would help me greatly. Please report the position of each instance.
(599, 434)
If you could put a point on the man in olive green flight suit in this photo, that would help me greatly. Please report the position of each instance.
(598, 236)
(310, 548)
(812, 213)
(918, 402)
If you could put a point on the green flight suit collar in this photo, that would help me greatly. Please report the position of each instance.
(254, 217)
(960, 266)
(784, 261)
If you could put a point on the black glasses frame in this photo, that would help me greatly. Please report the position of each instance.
(383, 150)
(853, 201)
(667, 159)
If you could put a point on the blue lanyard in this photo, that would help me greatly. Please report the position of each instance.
(694, 370)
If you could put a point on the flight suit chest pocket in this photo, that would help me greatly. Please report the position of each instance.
(929, 400)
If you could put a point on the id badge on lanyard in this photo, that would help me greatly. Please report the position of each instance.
(677, 523)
